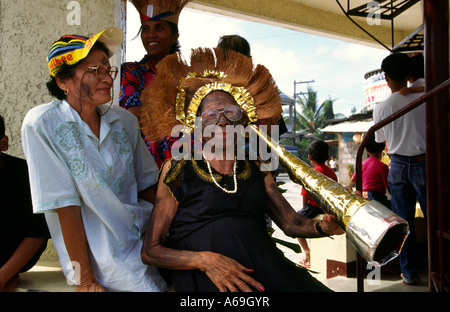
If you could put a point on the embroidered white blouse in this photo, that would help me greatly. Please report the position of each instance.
(69, 165)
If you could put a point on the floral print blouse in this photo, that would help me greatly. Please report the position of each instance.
(135, 77)
(70, 166)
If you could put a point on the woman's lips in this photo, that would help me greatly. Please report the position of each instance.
(106, 90)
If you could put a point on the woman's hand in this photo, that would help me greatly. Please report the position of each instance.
(90, 287)
(77, 247)
(329, 225)
(227, 274)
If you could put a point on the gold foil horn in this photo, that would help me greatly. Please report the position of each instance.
(375, 231)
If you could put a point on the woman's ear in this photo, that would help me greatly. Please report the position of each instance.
(62, 83)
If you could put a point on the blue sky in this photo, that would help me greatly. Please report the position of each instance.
(337, 67)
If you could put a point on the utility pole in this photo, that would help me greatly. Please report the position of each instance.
(295, 104)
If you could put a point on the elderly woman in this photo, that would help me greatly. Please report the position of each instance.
(90, 171)
(159, 35)
(208, 226)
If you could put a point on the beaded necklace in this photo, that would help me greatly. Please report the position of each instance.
(214, 180)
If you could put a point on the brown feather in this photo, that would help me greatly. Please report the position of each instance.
(159, 113)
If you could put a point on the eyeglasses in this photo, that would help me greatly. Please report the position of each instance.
(211, 117)
(100, 71)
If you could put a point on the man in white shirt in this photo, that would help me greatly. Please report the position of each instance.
(406, 142)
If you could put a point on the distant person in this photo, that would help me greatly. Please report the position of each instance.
(416, 76)
(374, 173)
(406, 142)
(23, 235)
(235, 43)
(318, 154)
(333, 163)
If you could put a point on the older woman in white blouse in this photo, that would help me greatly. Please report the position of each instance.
(90, 171)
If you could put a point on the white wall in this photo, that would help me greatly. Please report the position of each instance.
(28, 28)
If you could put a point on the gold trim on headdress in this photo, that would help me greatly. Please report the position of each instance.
(178, 90)
(242, 97)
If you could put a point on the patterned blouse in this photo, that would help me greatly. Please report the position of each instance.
(135, 77)
(70, 166)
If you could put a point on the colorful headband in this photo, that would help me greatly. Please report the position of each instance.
(70, 49)
(166, 10)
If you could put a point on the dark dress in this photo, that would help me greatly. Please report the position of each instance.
(234, 225)
(17, 219)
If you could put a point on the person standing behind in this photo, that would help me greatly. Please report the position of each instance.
(318, 154)
(23, 234)
(159, 34)
(235, 43)
(374, 173)
(333, 164)
(406, 142)
(416, 76)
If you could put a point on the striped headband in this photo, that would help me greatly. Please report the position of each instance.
(70, 49)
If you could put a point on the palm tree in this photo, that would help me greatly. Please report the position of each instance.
(311, 117)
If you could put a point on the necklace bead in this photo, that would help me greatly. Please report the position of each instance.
(214, 180)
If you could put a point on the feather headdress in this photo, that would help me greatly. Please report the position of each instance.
(176, 94)
(167, 10)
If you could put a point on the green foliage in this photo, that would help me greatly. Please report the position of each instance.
(350, 170)
(303, 145)
(311, 117)
(279, 184)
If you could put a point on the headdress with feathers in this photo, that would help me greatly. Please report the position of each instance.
(168, 10)
(176, 94)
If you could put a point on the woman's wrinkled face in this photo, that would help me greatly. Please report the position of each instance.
(157, 38)
(219, 101)
(88, 86)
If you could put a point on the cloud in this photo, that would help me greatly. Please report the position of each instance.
(202, 29)
(355, 53)
(197, 29)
